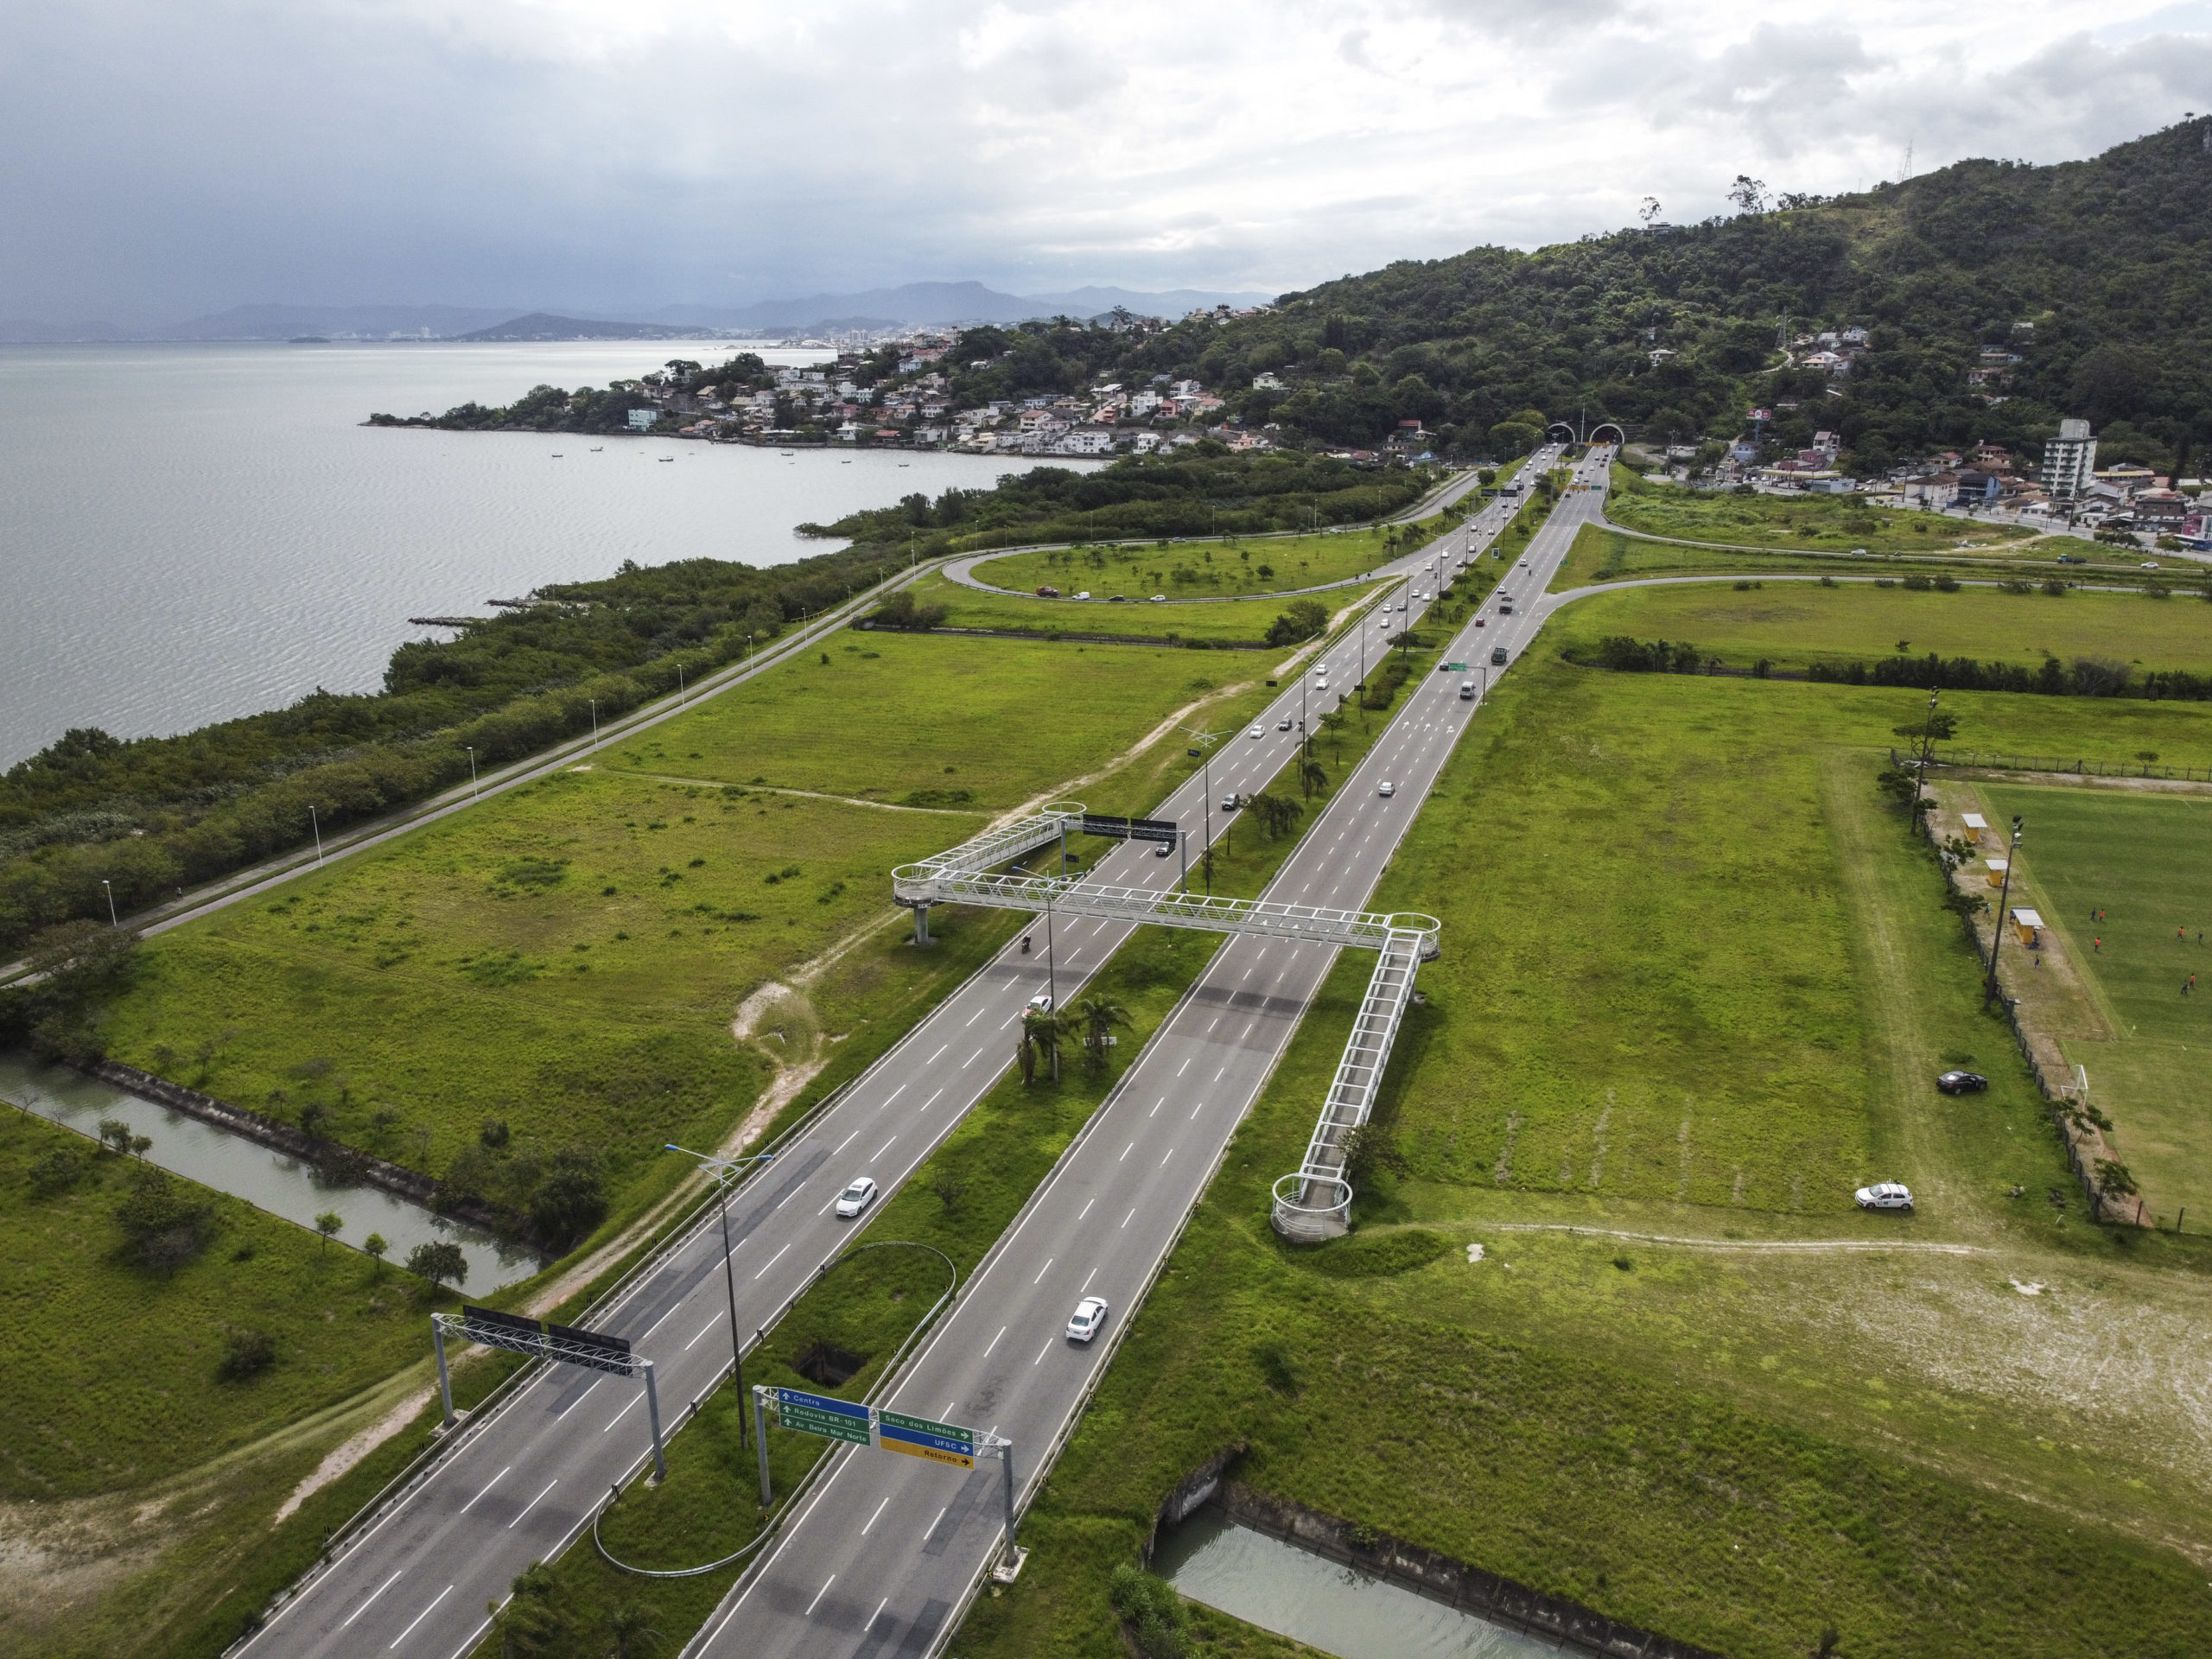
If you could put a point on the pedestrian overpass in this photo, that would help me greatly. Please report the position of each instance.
(1314, 1201)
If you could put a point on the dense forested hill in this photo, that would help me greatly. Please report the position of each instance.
(2092, 272)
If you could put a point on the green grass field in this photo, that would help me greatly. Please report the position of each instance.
(2139, 859)
(1795, 623)
(898, 717)
(1212, 569)
(1825, 522)
(1740, 1445)
(1239, 621)
(1600, 555)
(88, 1413)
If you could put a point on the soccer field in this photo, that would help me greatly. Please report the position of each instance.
(2139, 859)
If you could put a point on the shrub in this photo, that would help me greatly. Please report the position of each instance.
(1150, 1611)
(57, 1171)
(166, 1223)
(246, 1354)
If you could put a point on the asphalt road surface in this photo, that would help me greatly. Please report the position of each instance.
(880, 1558)
(522, 1483)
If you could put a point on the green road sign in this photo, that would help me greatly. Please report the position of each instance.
(818, 1413)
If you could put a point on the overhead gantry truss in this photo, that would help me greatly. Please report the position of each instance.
(1314, 1202)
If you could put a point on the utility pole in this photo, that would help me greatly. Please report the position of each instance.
(1927, 739)
(724, 1170)
(594, 715)
(1203, 748)
(316, 823)
(471, 747)
(1991, 991)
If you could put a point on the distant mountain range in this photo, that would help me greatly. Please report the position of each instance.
(919, 303)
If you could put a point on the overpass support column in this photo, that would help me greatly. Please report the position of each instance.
(921, 924)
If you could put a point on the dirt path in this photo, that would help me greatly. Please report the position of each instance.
(1800, 1245)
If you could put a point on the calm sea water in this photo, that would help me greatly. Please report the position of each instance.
(189, 533)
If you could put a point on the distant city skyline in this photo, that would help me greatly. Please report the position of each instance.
(606, 162)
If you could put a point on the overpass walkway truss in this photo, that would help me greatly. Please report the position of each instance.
(1314, 1201)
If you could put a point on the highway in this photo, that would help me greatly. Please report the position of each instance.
(523, 1483)
(881, 1556)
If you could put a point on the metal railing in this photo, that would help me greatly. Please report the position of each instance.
(1314, 1202)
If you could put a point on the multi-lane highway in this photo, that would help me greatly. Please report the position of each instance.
(884, 1552)
(521, 1483)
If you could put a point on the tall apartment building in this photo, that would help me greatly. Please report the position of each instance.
(2069, 462)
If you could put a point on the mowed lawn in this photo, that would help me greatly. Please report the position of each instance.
(897, 717)
(2140, 860)
(1828, 523)
(1795, 623)
(1206, 570)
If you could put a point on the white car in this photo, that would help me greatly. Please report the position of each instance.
(1089, 1316)
(1160, 599)
(1388, 788)
(1084, 595)
(1885, 1195)
(1042, 1003)
(1259, 728)
(856, 1198)
(1283, 725)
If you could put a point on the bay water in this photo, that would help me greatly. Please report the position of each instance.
(193, 532)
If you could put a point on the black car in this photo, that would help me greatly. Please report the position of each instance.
(1961, 1083)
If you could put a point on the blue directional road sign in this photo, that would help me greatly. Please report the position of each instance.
(918, 1437)
(817, 1414)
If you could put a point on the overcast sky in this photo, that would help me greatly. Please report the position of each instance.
(165, 158)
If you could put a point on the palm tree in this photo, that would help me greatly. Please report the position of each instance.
(629, 1625)
(1098, 1014)
(1313, 778)
(1041, 1032)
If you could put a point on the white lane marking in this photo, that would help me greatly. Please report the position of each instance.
(1127, 1150)
(772, 1260)
(819, 1594)
(488, 1485)
(673, 1308)
(877, 1613)
(532, 1504)
(1185, 1066)
(615, 1419)
(1195, 1110)
(1217, 1076)
(1086, 1283)
(1041, 1352)
(987, 1353)
(1125, 1220)
(940, 1514)
(1171, 1153)
(877, 1517)
(703, 1329)
(846, 1141)
(1042, 1271)
(880, 1150)
(932, 1061)
(893, 1096)
(786, 1199)
(977, 1055)
(420, 1617)
(588, 1393)
(971, 1019)
(394, 1578)
(1086, 1208)
(1156, 1105)
(931, 1101)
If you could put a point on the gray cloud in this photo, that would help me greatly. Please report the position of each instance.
(567, 153)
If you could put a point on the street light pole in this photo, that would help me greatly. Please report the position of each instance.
(471, 747)
(111, 919)
(1927, 730)
(316, 823)
(1991, 991)
(722, 1170)
(594, 721)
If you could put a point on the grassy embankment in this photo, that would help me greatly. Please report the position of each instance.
(2139, 860)
(1236, 621)
(1741, 1446)
(1225, 568)
(960, 1202)
(1811, 523)
(615, 1056)
(1600, 555)
(1794, 624)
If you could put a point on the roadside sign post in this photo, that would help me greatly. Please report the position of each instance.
(517, 1333)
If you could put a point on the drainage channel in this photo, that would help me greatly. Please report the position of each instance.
(267, 1180)
(1310, 1598)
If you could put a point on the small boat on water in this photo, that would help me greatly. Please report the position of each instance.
(786, 454)
(596, 448)
(556, 455)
